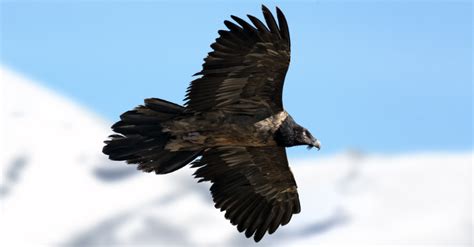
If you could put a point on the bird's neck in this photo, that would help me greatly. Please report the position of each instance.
(285, 134)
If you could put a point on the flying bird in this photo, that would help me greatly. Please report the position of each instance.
(234, 120)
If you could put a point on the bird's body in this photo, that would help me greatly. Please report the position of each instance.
(213, 129)
(234, 120)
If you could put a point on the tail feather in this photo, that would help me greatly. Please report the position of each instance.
(173, 161)
(140, 139)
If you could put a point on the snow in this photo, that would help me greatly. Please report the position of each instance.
(57, 188)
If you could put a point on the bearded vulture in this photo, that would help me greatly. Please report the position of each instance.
(233, 127)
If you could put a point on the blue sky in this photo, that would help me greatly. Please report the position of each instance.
(379, 76)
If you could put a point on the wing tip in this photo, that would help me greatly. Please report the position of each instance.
(264, 8)
(283, 24)
(278, 10)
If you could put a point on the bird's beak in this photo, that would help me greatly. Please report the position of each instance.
(317, 144)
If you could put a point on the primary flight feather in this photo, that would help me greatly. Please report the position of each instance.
(234, 120)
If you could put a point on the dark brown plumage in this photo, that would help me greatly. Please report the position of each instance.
(234, 119)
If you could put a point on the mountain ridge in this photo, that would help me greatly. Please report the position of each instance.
(56, 187)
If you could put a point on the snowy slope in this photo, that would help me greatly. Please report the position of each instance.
(57, 188)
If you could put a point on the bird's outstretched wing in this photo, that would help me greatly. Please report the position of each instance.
(245, 72)
(254, 185)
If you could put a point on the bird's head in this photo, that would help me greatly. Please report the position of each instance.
(291, 134)
(304, 137)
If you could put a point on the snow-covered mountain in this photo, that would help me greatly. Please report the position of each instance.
(57, 188)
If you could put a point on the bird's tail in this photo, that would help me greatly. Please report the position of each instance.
(140, 139)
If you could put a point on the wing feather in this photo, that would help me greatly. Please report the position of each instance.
(257, 23)
(284, 30)
(270, 21)
(253, 185)
(245, 71)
